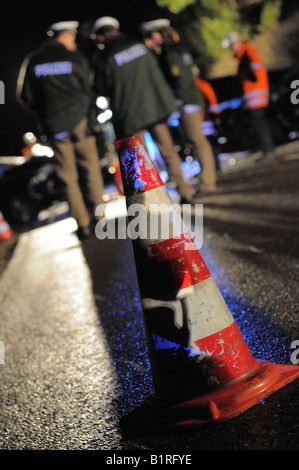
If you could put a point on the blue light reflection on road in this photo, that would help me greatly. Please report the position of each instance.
(122, 320)
(121, 316)
(264, 337)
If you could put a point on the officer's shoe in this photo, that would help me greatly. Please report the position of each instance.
(185, 200)
(266, 157)
(199, 195)
(83, 233)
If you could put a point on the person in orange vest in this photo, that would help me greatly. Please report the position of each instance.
(210, 110)
(255, 84)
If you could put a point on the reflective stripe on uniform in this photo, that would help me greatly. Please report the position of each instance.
(257, 98)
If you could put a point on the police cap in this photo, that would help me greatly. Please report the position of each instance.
(103, 22)
(155, 25)
(63, 26)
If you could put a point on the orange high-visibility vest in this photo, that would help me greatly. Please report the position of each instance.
(211, 101)
(253, 76)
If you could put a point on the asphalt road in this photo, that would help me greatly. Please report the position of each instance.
(76, 359)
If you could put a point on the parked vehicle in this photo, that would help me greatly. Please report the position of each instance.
(29, 186)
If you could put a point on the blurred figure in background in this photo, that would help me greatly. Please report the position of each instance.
(176, 64)
(127, 73)
(255, 84)
(54, 83)
(211, 110)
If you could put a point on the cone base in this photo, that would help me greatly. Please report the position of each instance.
(215, 407)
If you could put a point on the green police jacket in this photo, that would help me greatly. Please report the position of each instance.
(55, 83)
(127, 73)
(176, 64)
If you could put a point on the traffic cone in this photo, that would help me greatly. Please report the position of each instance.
(5, 231)
(203, 370)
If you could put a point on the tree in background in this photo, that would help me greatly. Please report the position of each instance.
(175, 6)
(203, 23)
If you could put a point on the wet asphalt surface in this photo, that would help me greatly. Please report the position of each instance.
(76, 359)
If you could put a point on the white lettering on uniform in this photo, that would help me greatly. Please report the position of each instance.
(53, 68)
(130, 54)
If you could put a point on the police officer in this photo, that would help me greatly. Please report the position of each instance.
(127, 72)
(54, 84)
(176, 63)
(255, 84)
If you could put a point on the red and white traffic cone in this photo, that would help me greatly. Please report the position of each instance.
(202, 368)
(5, 231)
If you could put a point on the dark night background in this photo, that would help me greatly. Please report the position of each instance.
(23, 26)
